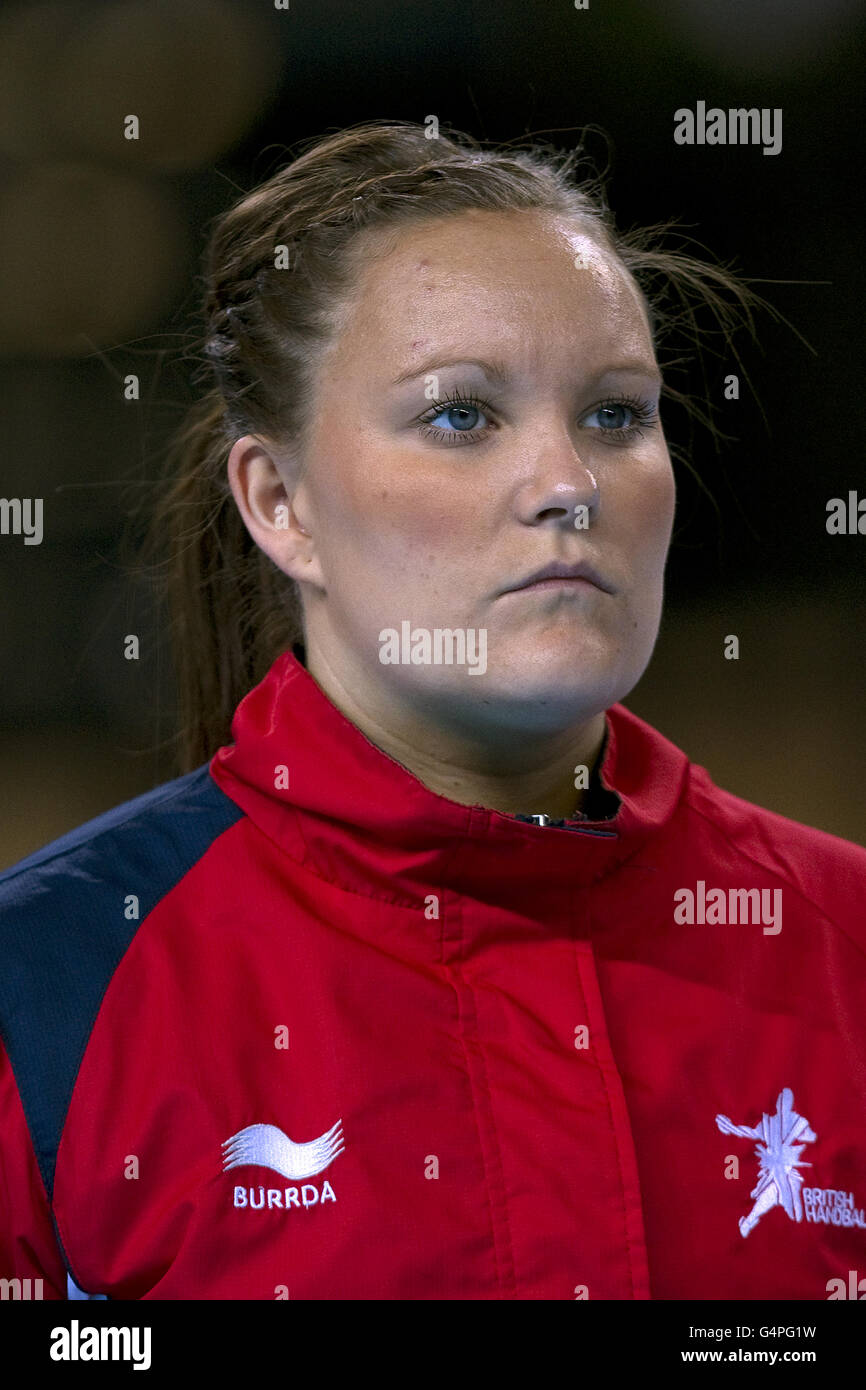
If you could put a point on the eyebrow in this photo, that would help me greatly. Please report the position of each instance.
(497, 370)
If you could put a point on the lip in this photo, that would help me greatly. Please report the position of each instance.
(559, 575)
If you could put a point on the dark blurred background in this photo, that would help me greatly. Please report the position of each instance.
(100, 239)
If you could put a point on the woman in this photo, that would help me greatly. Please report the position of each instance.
(439, 975)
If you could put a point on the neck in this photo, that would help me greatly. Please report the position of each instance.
(530, 774)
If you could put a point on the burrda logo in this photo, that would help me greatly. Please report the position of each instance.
(268, 1147)
(779, 1183)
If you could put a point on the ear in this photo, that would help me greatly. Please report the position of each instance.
(265, 486)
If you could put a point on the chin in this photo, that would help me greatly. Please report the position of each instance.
(556, 685)
(543, 698)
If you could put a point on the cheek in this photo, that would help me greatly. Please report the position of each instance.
(380, 505)
(649, 506)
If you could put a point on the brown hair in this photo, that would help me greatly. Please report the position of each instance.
(231, 610)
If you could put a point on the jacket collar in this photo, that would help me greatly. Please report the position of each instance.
(315, 785)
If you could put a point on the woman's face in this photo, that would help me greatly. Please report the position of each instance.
(490, 407)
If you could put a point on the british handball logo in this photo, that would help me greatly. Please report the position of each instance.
(782, 1138)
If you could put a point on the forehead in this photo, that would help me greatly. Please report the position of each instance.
(534, 284)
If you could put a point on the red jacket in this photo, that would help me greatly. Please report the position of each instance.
(294, 1025)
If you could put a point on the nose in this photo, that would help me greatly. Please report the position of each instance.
(562, 489)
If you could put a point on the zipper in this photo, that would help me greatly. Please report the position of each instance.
(541, 819)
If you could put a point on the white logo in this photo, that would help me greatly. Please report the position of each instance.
(779, 1156)
(269, 1147)
(778, 1183)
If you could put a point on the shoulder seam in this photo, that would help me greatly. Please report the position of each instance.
(26, 864)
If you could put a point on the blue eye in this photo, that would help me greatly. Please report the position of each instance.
(611, 415)
(463, 417)
(462, 413)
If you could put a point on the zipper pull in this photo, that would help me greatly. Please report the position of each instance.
(562, 825)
